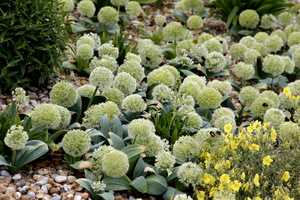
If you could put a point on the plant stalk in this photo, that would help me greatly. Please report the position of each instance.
(92, 99)
(13, 158)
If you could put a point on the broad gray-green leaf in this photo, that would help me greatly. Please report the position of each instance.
(140, 184)
(3, 161)
(156, 184)
(117, 184)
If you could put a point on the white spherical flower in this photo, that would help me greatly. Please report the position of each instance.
(237, 50)
(107, 15)
(274, 65)
(294, 39)
(109, 50)
(289, 64)
(115, 164)
(249, 19)
(76, 143)
(63, 94)
(101, 77)
(165, 160)
(189, 173)
(199, 52)
(224, 87)
(133, 8)
(285, 18)
(247, 95)
(68, 5)
(46, 115)
(16, 138)
(213, 45)
(194, 22)
(261, 36)
(209, 98)
(86, 39)
(85, 52)
(244, 71)
(248, 41)
(134, 103)
(215, 62)
(119, 2)
(268, 21)
(274, 116)
(274, 43)
(125, 83)
(185, 149)
(160, 20)
(87, 8)
(251, 55)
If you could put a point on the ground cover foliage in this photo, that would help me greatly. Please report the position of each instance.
(174, 114)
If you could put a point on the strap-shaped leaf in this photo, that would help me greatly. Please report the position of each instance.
(171, 193)
(156, 184)
(140, 184)
(117, 184)
(117, 142)
(3, 161)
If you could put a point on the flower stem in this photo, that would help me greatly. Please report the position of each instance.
(13, 158)
(92, 99)
(47, 135)
(206, 113)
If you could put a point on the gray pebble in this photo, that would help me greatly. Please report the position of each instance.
(20, 183)
(71, 179)
(77, 197)
(56, 197)
(44, 189)
(131, 198)
(60, 179)
(41, 95)
(31, 194)
(45, 92)
(45, 100)
(17, 177)
(43, 181)
(33, 103)
(5, 174)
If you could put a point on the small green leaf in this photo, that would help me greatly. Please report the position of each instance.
(170, 193)
(156, 184)
(117, 142)
(3, 161)
(140, 184)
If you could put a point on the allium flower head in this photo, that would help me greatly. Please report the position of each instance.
(215, 62)
(107, 15)
(285, 18)
(151, 55)
(249, 19)
(114, 95)
(294, 39)
(189, 173)
(160, 20)
(185, 148)
(98, 186)
(85, 52)
(222, 112)
(183, 60)
(134, 103)
(274, 65)
(106, 61)
(209, 98)
(295, 86)
(237, 50)
(153, 143)
(165, 160)
(261, 105)
(86, 39)
(125, 83)
(296, 57)
(200, 80)
(221, 122)
(92, 116)
(133, 68)
(133, 57)
(261, 36)
(244, 71)
(251, 55)
(115, 164)
(291, 28)
(98, 156)
(173, 70)
(140, 128)
(180, 6)
(223, 43)
(76, 143)
(68, 5)
(289, 132)
(190, 88)
(194, 120)
(159, 75)
(213, 45)
(248, 41)
(224, 195)
(65, 116)
(87, 90)
(182, 197)
(101, 77)
(281, 34)
(46, 115)
(186, 100)
(271, 95)
(19, 96)
(268, 21)
(87, 8)
(224, 87)
(191, 5)
(63, 94)
(174, 31)
(133, 8)
(210, 140)
(247, 95)
(274, 116)
(204, 37)
(16, 138)
(184, 45)
(195, 22)
(119, 2)
(199, 52)
(109, 50)
(261, 48)
(96, 39)
(274, 43)
(185, 110)
(163, 93)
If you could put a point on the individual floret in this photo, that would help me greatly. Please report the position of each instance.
(209, 98)
(114, 95)
(63, 94)
(115, 164)
(189, 173)
(76, 143)
(133, 8)
(249, 19)
(102, 78)
(274, 116)
(134, 103)
(213, 45)
(274, 43)
(247, 95)
(224, 87)
(237, 50)
(87, 8)
(109, 50)
(185, 149)
(16, 137)
(215, 62)
(165, 160)
(159, 75)
(195, 22)
(248, 41)
(107, 15)
(125, 83)
(273, 64)
(244, 71)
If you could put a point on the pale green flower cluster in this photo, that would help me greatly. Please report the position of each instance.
(159, 75)
(294, 48)
(115, 164)
(274, 43)
(107, 15)
(296, 57)
(291, 28)
(271, 95)
(222, 121)
(109, 50)
(98, 156)
(247, 95)
(183, 60)
(98, 186)
(125, 83)
(151, 54)
(106, 61)
(200, 80)
(65, 116)
(114, 95)
(46, 115)
(163, 93)
(140, 128)
(85, 51)
(213, 45)
(285, 18)
(204, 37)
(222, 112)
(165, 160)
(274, 116)
(173, 70)
(289, 64)
(281, 34)
(134, 103)
(194, 120)
(153, 143)
(133, 8)
(76, 143)
(186, 100)
(210, 140)
(160, 20)
(184, 45)
(261, 105)
(194, 22)
(86, 8)
(174, 31)
(223, 43)
(185, 110)
(244, 71)
(237, 50)
(68, 5)
(268, 21)
(224, 195)
(191, 5)
(273, 64)
(133, 68)
(96, 39)
(180, 6)
(289, 132)
(249, 19)
(133, 57)
(285, 101)
(294, 39)
(189, 173)
(185, 149)
(86, 39)
(182, 197)
(215, 62)
(251, 55)
(119, 2)
(19, 96)
(92, 116)
(199, 52)
(87, 90)
(209, 98)
(190, 88)
(261, 48)
(224, 87)
(261, 36)
(63, 94)
(16, 137)
(248, 41)
(295, 87)
(101, 77)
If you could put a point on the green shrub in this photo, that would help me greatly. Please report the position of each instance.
(32, 41)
